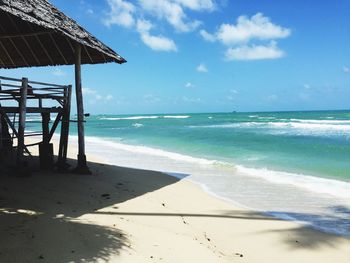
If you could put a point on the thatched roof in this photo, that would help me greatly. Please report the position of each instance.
(35, 33)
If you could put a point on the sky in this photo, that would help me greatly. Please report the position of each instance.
(187, 56)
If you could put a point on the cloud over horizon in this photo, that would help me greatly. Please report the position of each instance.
(250, 38)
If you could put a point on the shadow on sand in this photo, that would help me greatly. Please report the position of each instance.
(39, 214)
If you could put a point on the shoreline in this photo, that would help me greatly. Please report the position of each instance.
(330, 192)
(333, 221)
(181, 166)
(134, 215)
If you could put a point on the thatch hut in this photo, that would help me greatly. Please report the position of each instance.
(35, 33)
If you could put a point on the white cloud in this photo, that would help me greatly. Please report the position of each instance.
(207, 36)
(238, 38)
(189, 85)
(198, 5)
(233, 91)
(88, 91)
(346, 69)
(257, 27)
(254, 52)
(89, 11)
(94, 96)
(157, 43)
(136, 15)
(58, 72)
(143, 25)
(172, 12)
(121, 13)
(202, 68)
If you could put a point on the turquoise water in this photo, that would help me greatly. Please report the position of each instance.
(293, 165)
(313, 143)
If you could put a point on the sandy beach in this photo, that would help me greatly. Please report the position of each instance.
(121, 214)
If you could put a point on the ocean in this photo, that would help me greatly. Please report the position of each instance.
(292, 165)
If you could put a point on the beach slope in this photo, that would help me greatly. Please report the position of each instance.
(130, 215)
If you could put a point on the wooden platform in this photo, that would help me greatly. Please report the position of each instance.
(15, 97)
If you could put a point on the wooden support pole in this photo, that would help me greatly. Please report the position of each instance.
(45, 148)
(67, 122)
(82, 166)
(22, 120)
(1, 139)
(0, 129)
(63, 147)
(1, 136)
(45, 126)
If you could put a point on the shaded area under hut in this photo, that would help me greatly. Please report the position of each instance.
(35, 33)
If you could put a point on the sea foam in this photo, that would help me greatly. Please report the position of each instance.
(307, 182)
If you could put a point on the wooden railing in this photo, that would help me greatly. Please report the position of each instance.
(19, 97)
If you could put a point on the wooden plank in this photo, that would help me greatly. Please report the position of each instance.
(54, 125)
(32, 110)
(12, 79)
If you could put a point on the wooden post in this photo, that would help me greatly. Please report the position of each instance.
(45, 148)
(62, 153)
(45, 126)
(22, 120)
(0, 129)
(82, 166)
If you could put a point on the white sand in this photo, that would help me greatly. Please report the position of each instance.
(131, 215)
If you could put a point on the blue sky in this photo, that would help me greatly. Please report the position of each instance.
(212, 55)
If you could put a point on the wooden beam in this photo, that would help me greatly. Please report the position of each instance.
(19, 53)
(82, 166)
(2, 63)
(45, 50)
(22, 121)
(20, 35)
(88, 54)
(54, 125)
(31, 51)
(31, 110)
(7, 54)
(70, 44)
(58, 49)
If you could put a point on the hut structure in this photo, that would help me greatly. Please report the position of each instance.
(35, 33)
